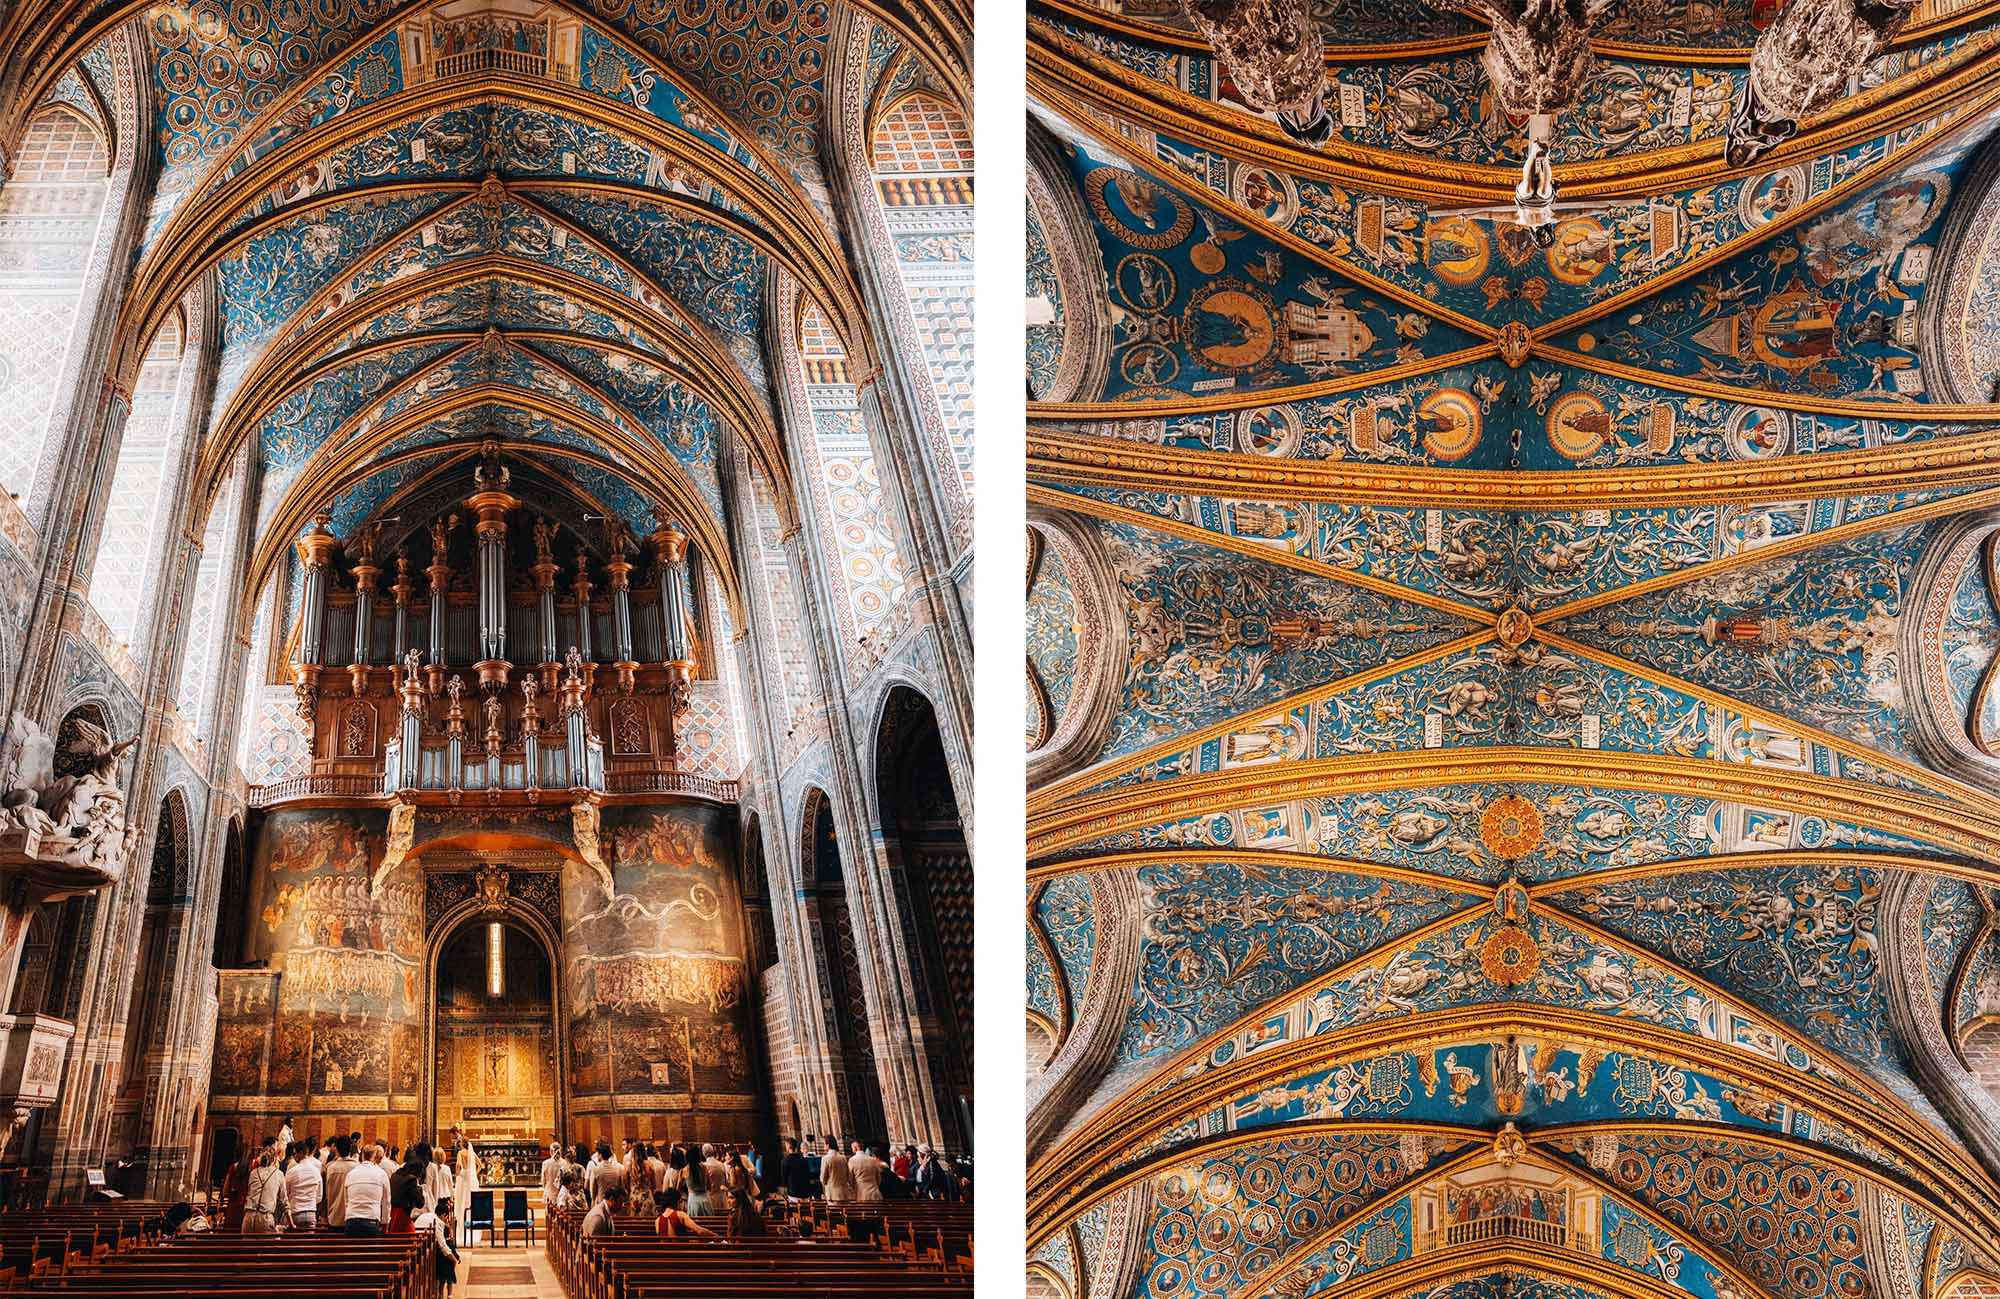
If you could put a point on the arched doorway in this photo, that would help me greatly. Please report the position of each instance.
(145, 1010)
(495, 1067)
(233, 901)
(931, 869)
(860, 1105)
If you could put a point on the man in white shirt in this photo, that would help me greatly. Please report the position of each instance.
(285, 1132)
(304, 1186)
(833, 1174)
(866, 1170)
(367, 1193)
(336, 1173)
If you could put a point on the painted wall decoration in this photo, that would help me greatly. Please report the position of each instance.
(1202, 305)
(349, 990)
(657, 988)
(1704, 1184)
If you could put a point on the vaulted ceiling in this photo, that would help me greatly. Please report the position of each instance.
(1514, 803)
(418, 226)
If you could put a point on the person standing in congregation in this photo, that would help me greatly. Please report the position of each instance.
(406, 1189)
(605, 1172)
(305, 1187)
(552, 1170)
(795, 1173)
(834, 1175)
(337, 1169)
(866, 1170)
(267, 1185)
(367, 1196)
(437, 1179)
(698, 1189)
(468, 1176)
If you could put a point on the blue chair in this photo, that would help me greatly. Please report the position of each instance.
(479, 1214)
(514, 1213)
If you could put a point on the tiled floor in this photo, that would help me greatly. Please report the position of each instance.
(506, 1272)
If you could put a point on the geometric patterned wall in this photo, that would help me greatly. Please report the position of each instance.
(48, 221)
(272, 743)
(848, 485)
(922, 153)
(200, 661)
(133, 508)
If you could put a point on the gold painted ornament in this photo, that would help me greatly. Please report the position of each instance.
(1510, 827)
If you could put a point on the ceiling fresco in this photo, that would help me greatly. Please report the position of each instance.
(1533, 747)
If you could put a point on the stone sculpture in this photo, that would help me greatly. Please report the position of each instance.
(1802, 63)
(78, 820)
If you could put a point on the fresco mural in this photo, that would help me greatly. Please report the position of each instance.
(336, 1025)
(656, 983)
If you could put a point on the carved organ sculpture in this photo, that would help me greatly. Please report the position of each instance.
(531, 727)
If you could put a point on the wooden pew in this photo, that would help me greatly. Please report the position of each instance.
(815, 1250)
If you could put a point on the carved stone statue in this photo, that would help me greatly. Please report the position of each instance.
(441, 537)
(495, 714)
(544, 538)
(573, 664)
(454, 689)
(413, 659)
(79, 819)
(1276, 55)
(529, 689)
(1539, 55)
(1802, 63)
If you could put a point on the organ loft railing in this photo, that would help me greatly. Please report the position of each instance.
(458, 688)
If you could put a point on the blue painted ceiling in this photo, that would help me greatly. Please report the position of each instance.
(1325, 762)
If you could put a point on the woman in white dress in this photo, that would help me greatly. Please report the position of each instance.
(468, 1178)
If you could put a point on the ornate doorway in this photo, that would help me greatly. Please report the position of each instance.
(495, 1005)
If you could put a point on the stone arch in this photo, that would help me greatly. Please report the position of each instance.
(51, 206)
(1955, 714)
(858, 1087)
(512, 910)
(1957, 336)
(1067, 563)
(930, 872)
(150, 1000)
(232, 899)
(1069, 308)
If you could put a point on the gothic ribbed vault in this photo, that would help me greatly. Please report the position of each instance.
(1513, 801)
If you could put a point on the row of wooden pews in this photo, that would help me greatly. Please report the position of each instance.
(881, 1250)
(119, 1250)
(36, 1243)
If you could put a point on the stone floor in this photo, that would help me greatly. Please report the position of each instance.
(506, 1272)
